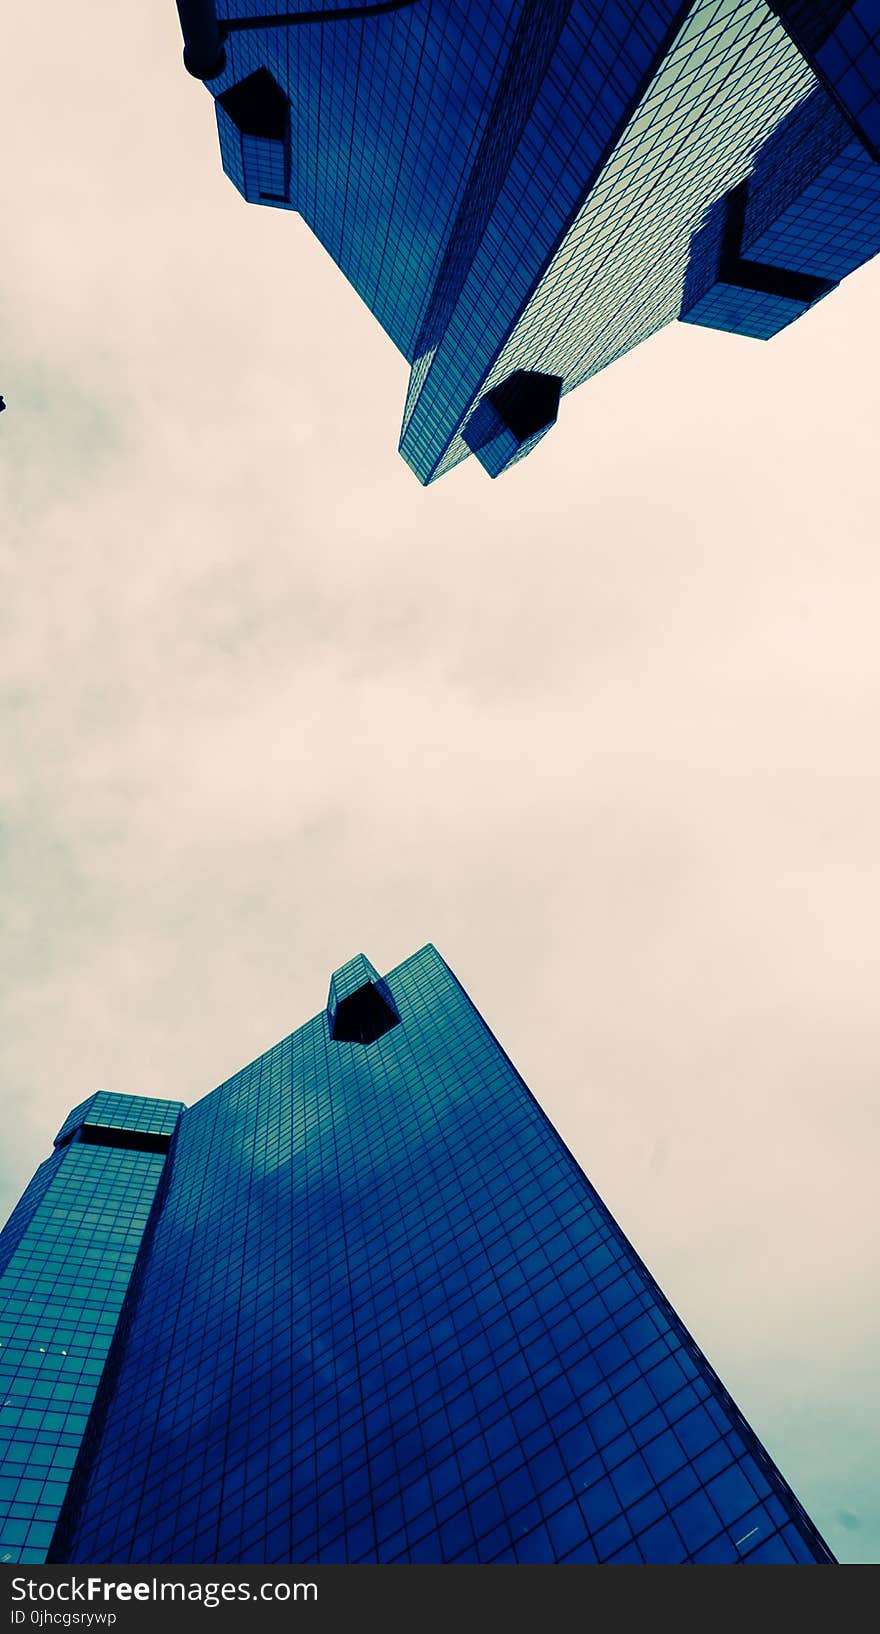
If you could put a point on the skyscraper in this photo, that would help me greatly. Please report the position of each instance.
(377, 1314)
(523, 190)
(66, 1259)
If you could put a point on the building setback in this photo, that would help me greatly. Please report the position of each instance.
(375, 1313)
(523, 190)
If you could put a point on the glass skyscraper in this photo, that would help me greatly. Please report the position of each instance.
(358, 1304)
(523, 190)
(66, 1260)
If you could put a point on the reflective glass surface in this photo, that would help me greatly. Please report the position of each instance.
(814, 196)
(515, 184)
(727, 79)
(841, 38)
(66, 1258)
(386, 116)
(810, 211)
(385, 1317)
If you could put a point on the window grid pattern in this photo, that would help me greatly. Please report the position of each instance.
(604, 60)
(812, 207)
(386, 116)
(729, 78)
(25, 1209)
(834, 227)
(532, 45)
(810, 21)
(112, 1111)
(386, 1318)
(351, 976)
(814, 197)
(515, 183)
(256, 165)
(756, 314)
(74, 1241)
(843, 42)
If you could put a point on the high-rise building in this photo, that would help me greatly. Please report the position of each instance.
(523, 190)
(66, 1260)
(375, 1313)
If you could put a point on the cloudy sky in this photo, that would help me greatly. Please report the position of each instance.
(605, 731)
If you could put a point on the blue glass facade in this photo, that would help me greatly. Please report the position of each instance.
(383, 1317)
(808, 215)
(841, 41)
(532, 187)
(66, 1259)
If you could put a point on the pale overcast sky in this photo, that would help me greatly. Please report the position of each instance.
(605, 730)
